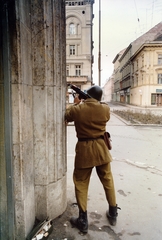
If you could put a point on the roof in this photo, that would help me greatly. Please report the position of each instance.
(154, 34)
(145, 45)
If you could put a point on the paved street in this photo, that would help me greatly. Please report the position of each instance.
(137, 170)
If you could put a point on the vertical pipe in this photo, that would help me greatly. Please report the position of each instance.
(99, 53)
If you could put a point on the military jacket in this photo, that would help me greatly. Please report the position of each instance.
(90, 118)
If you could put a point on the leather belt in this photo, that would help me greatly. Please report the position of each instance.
(89, 139)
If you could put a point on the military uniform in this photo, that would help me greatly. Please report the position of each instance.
(90, 118)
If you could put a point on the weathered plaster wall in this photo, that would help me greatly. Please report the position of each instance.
(22, 119)
(38, 90)
(48, 51)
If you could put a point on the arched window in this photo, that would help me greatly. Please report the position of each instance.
(72, 28)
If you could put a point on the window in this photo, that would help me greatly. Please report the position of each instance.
(142, 79)
(142, 60)
(136, 80)
(74, 3)
(77, 70)
(67, 70)
(153, 99)
(133, 68)
(159, 78)
(72, 28)
(72, 49)
(160, 59)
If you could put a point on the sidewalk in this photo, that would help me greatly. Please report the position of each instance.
(99, 227)
(135, 186)
(154, 110)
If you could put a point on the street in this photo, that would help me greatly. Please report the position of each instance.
(137, 172)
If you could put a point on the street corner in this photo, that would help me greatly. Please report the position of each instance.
(98, 227)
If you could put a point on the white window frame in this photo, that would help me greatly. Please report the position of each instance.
(67, 70)
(78, 70)
(159, 59)
(72, 49)
(159, 78)
(72, 29)
(153, 98)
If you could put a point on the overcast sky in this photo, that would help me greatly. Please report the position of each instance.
(122, 21)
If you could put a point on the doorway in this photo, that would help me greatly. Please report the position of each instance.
(159, 100)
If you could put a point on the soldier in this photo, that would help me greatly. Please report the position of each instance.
(90, 120)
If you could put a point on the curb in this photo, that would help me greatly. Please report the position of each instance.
(136, 124)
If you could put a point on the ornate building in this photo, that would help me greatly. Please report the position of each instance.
(79, 44)
(138, 71)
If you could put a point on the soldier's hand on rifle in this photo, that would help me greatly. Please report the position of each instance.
(76, 99)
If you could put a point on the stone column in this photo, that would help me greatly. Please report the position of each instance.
(49, 85)
(34, 149)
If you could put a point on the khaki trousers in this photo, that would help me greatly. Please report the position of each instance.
(81, 178)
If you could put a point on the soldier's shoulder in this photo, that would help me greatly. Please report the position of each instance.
(104, 103)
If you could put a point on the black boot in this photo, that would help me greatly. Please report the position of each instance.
(112, 215)
(81, 222)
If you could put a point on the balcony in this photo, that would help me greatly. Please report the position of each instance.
(125, 84)
(77, 79)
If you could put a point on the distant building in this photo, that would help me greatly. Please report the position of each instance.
(146, 87)
(108, 89)
(138, 70)
(116, 77)
(79, 44)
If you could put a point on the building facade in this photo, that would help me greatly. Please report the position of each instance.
(79, 44)
(138, 71)
(146, 87)
(116, 94)
(108, 89)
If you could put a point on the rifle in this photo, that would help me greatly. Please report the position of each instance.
(82, 95)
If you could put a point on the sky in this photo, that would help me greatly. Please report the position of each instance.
(122, 21)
